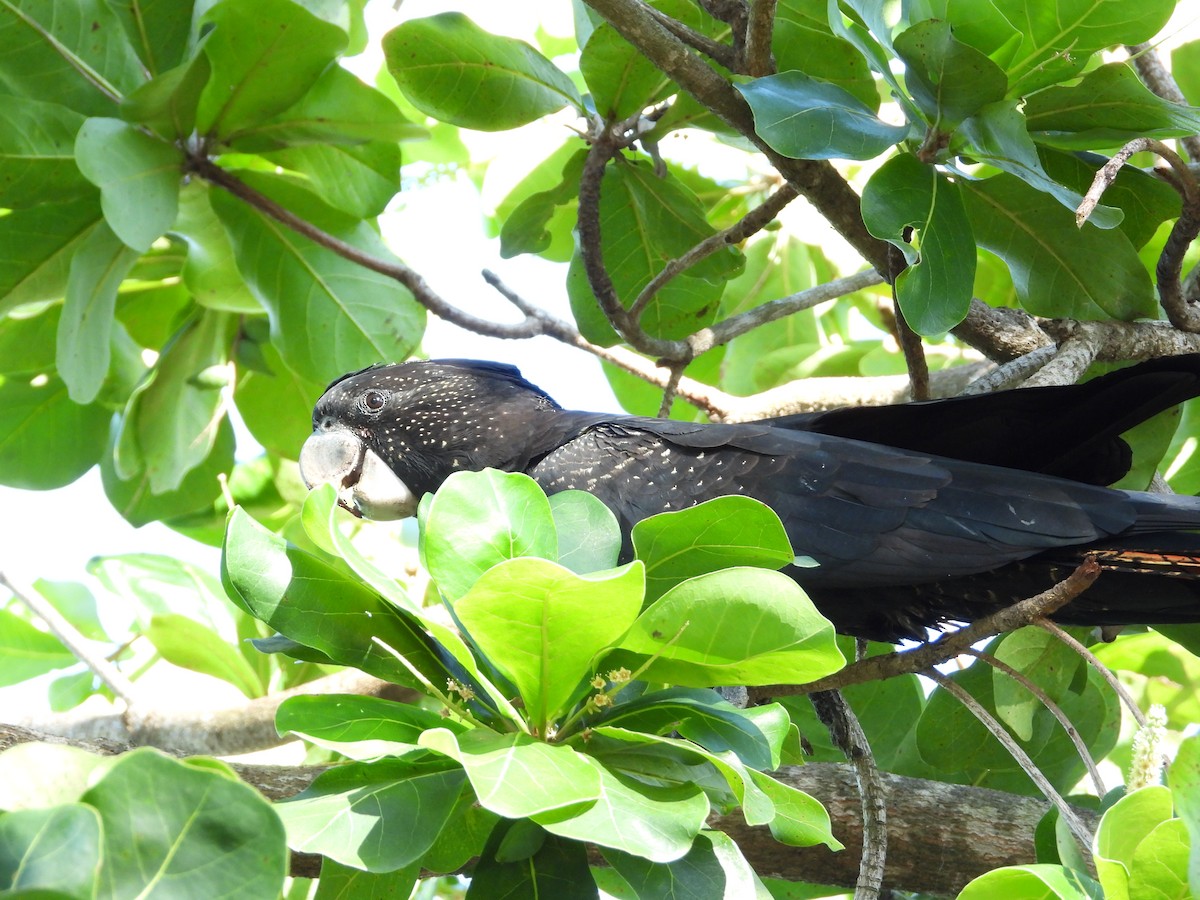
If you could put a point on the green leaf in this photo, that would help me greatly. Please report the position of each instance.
(265, 56)
(167, 103)
(360, 179)
(935, 289)
(36, 159)
(159, 31)
(779, 636)
(1057, 268)
(51, 849)
(802, 39)
(714, 869)
(328, 315)
(173, 418)
(276, 407)
(356, 726)
(1032, 882)
(539, 214)
(1108, 107)
(28, 651)
(36, 414)
(656, 822)
(803, 118)
(1123, 828)
(558, 868)
(40, 775)
(1185, 792)
(716, 534)
(589, 538)
(72, 52)
(1040, 657)
(542, 626)
(622, 80)
(338, 109)
(85, 330)
(948, 79)
(190, 645)
(138, 177)
(378, 816)
(37, 246)
(478, 519)
(167, 822)
(339, 881)
(453, 70)
(998, 135)
(304, 599)
(517, 776)
(1160, 865)
(210, 271)
(1059, 37)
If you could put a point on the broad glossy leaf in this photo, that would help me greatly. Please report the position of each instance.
(948, 79)
(935, 289)
(716, 534)
(1059, 36)
(478, 519)
(328, 315)
(539, 214)
(38, 775)
(173, 418)
(36, 415)
(803, 118)
(167, 104)
(190, 645)
(1030, 882)
(1185, 793)
(338, 109)
(543, 626)
(550, 867)
(85, 331)
(158, 29)
(50, 44)
(1108, 106)
(168, 822)
(357, 726)
(999, 135)
(277, 407)
(622, 80)
(305, 599)
(714, 869)
(589, 538)
(28, 651)
(37, 246)
(138, 176)
(57, 848)
(779, 637)
(1057, 268)
(1043, 659)
(802, 39)
(655, 822)
(265, 56)
(210, 271)
(360, 178)
(517, 776)
(376, 816)
(1160, 864)
(453, 70)
(338, 881)
(36, 165)
(1124, 826)
(800, 820)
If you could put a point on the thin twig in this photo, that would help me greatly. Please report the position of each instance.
(950, 645)
(847, 735)
(74, 641)
(1156, 77)
(909, 340)
(1107, 174)
(1018, 753)
(1011, 373)
(669, 391)
(714, 50)
(1055, 710)
(759, 29)
(1104, 671)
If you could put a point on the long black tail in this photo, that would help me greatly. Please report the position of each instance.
(1071, 431)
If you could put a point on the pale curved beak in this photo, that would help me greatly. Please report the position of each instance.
(366, 486)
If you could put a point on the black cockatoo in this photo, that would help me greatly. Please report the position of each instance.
(910, 515)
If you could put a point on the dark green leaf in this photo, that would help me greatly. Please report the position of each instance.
(166, 822)
(328, 315)
(277, 408)
(57, 848)
(803, 40)
(138, 177)
(558, 869)
(453, 70)
(36, 165)
(1058, 269)
(265, 56)
(539, 215)
(803, 118)
(356, 726)
(622, 80)
(376, 816)
(47, 441)
(305, 599)
(935, 289)
(717, 534)
(158, 30)
(714, 869)
(948, 79)
(167, 104)
(338, 882)
(37, 246)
